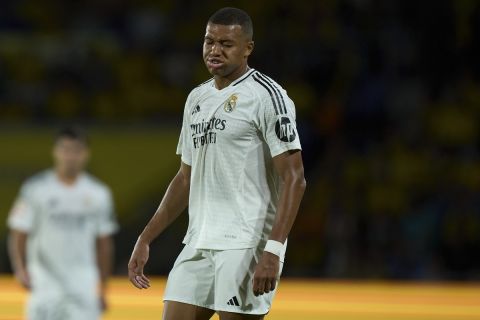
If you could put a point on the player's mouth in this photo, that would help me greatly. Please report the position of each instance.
(214, 63)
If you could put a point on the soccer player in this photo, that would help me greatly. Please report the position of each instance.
(60, 242)
(241, 175)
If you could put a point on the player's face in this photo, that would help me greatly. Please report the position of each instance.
(225, 50)
(70, 156)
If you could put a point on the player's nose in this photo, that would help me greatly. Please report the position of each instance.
(215, 49)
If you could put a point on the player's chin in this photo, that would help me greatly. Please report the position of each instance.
(220, 71)
(216, 71)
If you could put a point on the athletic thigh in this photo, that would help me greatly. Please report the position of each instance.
(239, 316)
(173, 310)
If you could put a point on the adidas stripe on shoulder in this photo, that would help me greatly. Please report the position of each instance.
(274, 91)
(244, 77)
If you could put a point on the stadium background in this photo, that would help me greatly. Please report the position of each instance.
(388, 105)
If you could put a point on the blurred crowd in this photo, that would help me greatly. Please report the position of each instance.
(387, 96)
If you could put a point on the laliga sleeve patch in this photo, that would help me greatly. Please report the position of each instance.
(285, 130)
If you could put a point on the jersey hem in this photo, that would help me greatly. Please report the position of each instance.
(282, 150)
(108, 231)
(14, 226)
(213, 247)
(184, 160)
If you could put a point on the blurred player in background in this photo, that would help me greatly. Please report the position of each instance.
(241, 175)
(60, 242)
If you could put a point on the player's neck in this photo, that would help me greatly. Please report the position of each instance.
(223, 82)
(67, 178)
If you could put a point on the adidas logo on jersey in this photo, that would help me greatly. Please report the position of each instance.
(196, 109)
(233, 302)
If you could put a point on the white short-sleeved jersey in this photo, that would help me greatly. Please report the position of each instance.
(63, 223)
(229, 138)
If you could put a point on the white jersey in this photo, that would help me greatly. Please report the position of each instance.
(63, 223)
(229, 138)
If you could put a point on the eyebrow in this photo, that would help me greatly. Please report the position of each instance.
(207, 37)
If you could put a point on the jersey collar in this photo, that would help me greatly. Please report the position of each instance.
(237, 81)
(245, 76)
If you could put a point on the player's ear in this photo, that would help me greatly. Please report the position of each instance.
(250, 45)
(55, 150)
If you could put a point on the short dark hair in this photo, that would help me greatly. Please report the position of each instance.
(72, 132)
(233, 16)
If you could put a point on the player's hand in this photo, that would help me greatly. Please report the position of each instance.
(103, 303)
(23, 278)
(135, 266)
(266, 274)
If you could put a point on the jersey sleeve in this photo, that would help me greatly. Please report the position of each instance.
(278, 124)
(107, 222)
(21, 216)
(184, 147)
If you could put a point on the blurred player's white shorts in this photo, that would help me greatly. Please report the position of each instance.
(221, 280)
(48, 306)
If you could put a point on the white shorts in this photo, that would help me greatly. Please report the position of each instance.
(45, 306)
(220, 280)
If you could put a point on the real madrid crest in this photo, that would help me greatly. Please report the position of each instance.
(230, 103)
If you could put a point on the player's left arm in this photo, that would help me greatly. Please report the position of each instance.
(105, 250)
(106, 227)
(17, 247)
(289, 166)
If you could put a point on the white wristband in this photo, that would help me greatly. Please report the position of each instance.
(274, 247)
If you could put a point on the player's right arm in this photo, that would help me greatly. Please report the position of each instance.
(17, 245)
(174, 202)
(20, 222)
